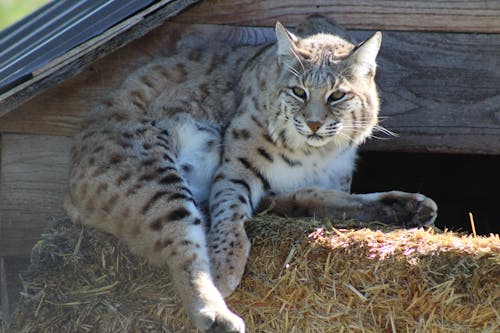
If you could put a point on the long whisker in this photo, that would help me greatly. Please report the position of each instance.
(358, 130)
(385, 131)
(371, 135)
(377, 127)
(293, 70)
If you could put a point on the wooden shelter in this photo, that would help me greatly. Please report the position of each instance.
(439, 79)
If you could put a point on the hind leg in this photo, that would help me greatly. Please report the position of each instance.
(136, 189)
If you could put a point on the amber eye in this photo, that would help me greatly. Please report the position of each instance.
(299, 92)
(336, 96)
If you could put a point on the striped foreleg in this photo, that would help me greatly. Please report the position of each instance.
(232, 202)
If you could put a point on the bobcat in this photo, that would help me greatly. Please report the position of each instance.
(177, 160)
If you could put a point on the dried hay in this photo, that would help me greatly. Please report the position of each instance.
(299, 279)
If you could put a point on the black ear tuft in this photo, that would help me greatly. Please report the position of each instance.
(364, 56)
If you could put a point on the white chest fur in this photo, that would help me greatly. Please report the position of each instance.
(324, 170)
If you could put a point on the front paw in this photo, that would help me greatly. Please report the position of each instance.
(407, 209)
(219, 321)
(229, 251)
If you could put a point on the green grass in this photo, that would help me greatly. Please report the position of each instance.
(13, 10)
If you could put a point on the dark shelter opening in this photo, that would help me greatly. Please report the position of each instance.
(458, 183)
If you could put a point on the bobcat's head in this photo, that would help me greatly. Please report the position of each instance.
(326, 89)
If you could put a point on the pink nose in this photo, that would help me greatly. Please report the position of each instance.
(314, 125)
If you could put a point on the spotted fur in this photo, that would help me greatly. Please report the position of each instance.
(182, 155)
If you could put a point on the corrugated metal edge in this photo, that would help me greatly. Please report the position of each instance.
(138, 25)
(28, 20)
(58, 30)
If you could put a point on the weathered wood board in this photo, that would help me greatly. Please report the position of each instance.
(415, 15)
(439, 91)
(10, 284)
(33, 171)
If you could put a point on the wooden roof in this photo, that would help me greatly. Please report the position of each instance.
(58, 40)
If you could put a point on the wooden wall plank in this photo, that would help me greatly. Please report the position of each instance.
(416, 15)
(4, 297)
(439, 91)
(11, 285)
(33, 180)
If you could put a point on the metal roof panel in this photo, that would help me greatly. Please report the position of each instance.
(55, 29)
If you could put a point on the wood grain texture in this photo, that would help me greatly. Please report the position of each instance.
(416, 15)
(439, 91)
(34, 172)
(11, 284)
(4, 296)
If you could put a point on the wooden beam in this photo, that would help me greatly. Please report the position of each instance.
(439, 91)
(34, 172)
(416, 15)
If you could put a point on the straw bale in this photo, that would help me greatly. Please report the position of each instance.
(303, 276)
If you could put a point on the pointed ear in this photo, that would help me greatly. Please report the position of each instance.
(363, 58)
(286, 41)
